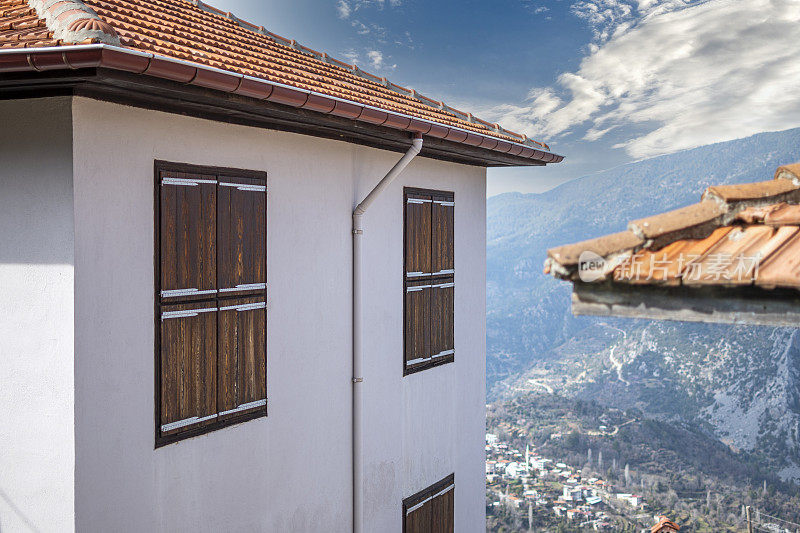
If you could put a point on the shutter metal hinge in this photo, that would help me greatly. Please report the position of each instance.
(358, 380)
(358, 232)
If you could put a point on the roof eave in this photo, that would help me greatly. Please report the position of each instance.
(497, 152)
(744, 305)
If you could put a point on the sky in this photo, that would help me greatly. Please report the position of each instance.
(603, 82)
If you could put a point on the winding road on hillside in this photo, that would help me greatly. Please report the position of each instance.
(614, 362)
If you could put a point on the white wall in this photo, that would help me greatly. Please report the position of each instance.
(36, 305)
(290, 471)
(435, 419)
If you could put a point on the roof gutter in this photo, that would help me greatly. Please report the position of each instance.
(358, 353)
(163, 67)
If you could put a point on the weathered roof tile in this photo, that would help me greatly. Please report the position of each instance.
(603, 246)
(684, 218)
(789, 172)
(763, 190)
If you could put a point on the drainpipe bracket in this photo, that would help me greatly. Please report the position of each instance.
(358, 380)
(358, 232)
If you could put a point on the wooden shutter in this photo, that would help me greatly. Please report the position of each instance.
(241, 230)
(188, 240)
(418, 235)
(432, 510)
(442, 210)
(442, 301)
(443, 511)
(210, 299)
(429, 256)
(419, 520)
(242, 370)
(188, 366)
(417, 323)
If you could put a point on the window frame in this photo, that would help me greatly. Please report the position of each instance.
(160, 166)
(451, 357)
(428, 493)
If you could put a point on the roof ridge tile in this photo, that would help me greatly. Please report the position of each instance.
(72, 21)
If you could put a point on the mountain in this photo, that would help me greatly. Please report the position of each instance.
(740, 384)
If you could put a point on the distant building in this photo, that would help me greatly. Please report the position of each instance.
(514, 469)
(491, 438)
(572, 494)
(594, 500)
(630, 499)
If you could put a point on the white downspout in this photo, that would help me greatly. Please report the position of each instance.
(358, 355)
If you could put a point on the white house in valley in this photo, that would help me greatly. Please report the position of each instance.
(243, 282)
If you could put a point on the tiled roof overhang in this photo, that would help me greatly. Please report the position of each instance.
(150, 80)
(734, 257)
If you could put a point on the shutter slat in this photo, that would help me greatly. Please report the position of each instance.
(188, 235)
(419, 520)
(443, 512)
(417, 323)
(188, 366)
(418, 234)
(442, 300)
(442, 213)
(241, 235)
(242, 370)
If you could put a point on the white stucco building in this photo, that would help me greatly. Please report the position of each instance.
(284, 373)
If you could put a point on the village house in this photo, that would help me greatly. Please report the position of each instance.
(244, 281)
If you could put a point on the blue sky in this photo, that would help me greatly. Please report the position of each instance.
(604, 82)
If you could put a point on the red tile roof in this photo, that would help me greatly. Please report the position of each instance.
(194, 32)
(20, 26)
(739, 235)
(665, 525)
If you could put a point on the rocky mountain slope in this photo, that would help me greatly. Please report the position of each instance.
(741, 384)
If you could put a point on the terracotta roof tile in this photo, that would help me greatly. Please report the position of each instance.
(790, 172)
(782, 269)
(744, 244)
(569, 254)
(679, 219)
(195, 32)
(664, 525)
(734, 258)
(772, 215)
(772, 190)
(666, 265)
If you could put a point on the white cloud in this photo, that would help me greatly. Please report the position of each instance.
(351, 56)
(347, 7)
(685, 72)
(344, 9)
(376, 58)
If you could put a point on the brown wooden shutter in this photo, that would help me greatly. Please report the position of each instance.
(431, 510)
(443, 512)
(418, 235)
(419, 520)
(242, 372)
(188, 240)
(188, 366)
(241, 228)
(442, 210)
(417, 323)
(442, 301)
